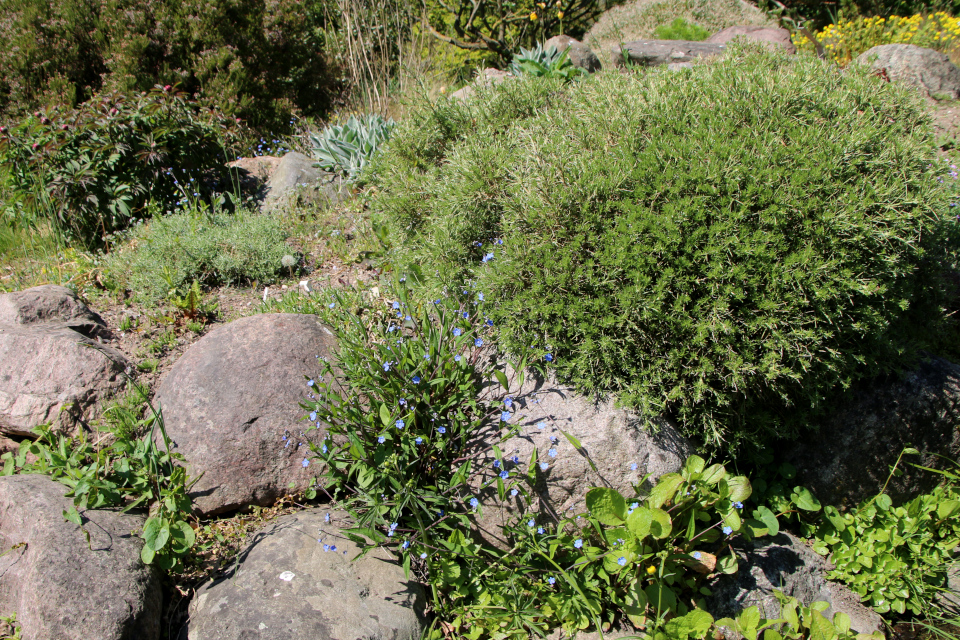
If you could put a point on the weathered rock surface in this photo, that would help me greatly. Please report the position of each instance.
(286, 587)
(296, 177)
(651, 53)
(50, 304)
(580, 55)
(50, 373)
(777, 38)
(231, 398)
(785, 563)
(928, 70)
(485, 78)
(623, 447)
(60, 588)
(849, 459)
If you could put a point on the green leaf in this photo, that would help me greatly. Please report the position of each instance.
(947, 508)
(502, 379)
(662, 525)
(804, 499)
(883, 502)
(740, 488)
(72, 515)
(820, 628)
(147, 554)
(606, 505)
(572, 440)
(385, 416)
(727, 564)
(693, 466)
(151, 530)
(639, 522)
(189, 536)
(665, 489)
(661, 597)
(769, 520)
(713, 474)
(635, 603)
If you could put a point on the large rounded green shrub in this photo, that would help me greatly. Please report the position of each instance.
(729, 244)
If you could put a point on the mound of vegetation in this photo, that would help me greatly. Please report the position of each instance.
(729, 245)
(165, 256)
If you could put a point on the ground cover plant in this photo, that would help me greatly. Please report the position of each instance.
(680, 29)
(165, 257)
(733, 282)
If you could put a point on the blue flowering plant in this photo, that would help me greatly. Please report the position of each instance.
(398, 408)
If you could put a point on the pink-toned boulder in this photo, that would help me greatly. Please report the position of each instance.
(777, 38)
(60, 586)
(231, 406)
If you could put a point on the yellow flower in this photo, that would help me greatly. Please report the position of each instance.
(560, 15)
(542, 5)
(533, 16)
(651, 570)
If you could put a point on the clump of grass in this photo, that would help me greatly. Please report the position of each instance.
(165, 256)
(733, 283)
(680, 29)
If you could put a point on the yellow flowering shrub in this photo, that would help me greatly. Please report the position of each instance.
(847, 39)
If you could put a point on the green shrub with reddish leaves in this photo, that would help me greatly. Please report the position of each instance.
(90, 171)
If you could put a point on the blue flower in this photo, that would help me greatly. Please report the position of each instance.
(541, 424)
(310, 383)
(332, 305)
(634, 505)
(400, 424)
(426, 356)
(381, 439)
(441, 429)
(548, 357)
(402, 401)
(465, 314)
(496, 464)
(633, 466)
(697, 555)
(406, 544)
(508, 402)
(480, 297)
(622, 561)
(544, 466)
(313, 416)
(387, 365)
(487, 258)
(478, 342)
(551, 580)
(326, 518)
(416, 379)
(504, 474)
(513, 492)
(515, 459)
(391, 328)
(531, 523)
(323, 448)
(457, 331)
(727, 531)
(407, 318)
(419, 440)
(578, 543)
(505, 416)
(396, 305)
(540, 530)
(552, 453)
(738, 505)
(306, 463)
(423, 556)
(474, 502)
(456, 358)
(489, 323)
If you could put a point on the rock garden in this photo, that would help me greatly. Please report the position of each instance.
(471, 328)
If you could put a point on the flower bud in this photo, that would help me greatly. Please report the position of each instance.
(167, 87)
(35, 145)
(64, 127)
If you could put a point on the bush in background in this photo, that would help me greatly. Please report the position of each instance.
(731, 281)
(93, 169)
(165, 256)
(847, 39)
(255, 59)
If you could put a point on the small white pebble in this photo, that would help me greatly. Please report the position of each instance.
(287, 576)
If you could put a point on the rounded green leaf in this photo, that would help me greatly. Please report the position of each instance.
(606, 505)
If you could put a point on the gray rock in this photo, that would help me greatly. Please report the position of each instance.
(651, 53)
(231, 398)
(486, 78)
(950, 598)
(286, 587)
(580, 55)
(778, 38)
(849, 458)
(61, 588)
(49, 373)
(295, 178)
(785, 563)
(928, 70)
(50, 304)
(613, 439)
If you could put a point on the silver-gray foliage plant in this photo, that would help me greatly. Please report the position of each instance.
(348, 148)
